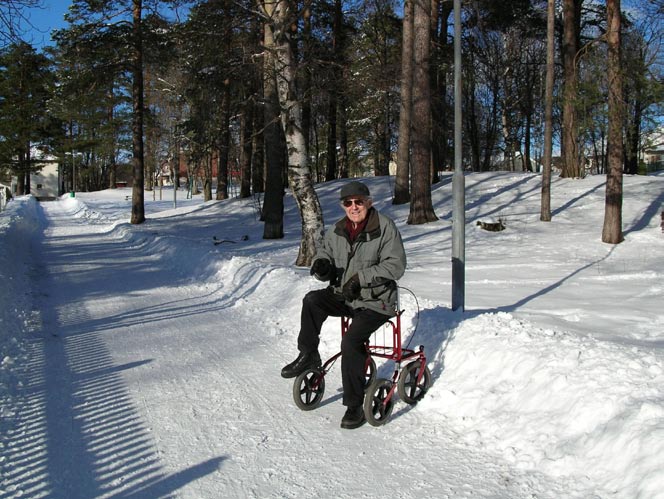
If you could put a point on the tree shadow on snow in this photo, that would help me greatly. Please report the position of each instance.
(434, 331)
(76, 431)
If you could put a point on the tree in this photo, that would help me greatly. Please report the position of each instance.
(335, 91)
(91, 101)
(214, 73)
(644, 89)
(421, 205)
(570, 145)
(442, 114)
(93, 26)
(138, 166)
(12, 18)
(612, 230)
(225, 141)
(374, 86)
(24, 93)
(273, 206)
(545, 208)
(280, 14)
(401, 183)
(482, 70)
(249, 86)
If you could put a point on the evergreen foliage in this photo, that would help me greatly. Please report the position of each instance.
(205, 89)
(25, 85)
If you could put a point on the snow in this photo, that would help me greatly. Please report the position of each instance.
(143, 361)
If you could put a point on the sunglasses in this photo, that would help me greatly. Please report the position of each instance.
(349, 202)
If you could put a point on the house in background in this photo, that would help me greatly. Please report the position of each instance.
(44, 184)
(653, 153)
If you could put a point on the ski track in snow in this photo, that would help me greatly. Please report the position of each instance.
(153, 358)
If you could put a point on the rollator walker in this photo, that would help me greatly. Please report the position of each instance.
(411, 381)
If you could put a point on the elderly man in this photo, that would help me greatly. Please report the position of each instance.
(361, 255)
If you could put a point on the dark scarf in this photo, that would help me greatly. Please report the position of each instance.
(354, 232)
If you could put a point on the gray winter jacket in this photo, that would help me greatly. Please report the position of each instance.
(377, 256)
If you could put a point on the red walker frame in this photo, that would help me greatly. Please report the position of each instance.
(411, 382)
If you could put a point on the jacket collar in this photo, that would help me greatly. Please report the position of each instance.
(371, 230)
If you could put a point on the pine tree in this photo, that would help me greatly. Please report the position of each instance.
(402, 181)
(612, 230)
(24, 91)
(421, 205)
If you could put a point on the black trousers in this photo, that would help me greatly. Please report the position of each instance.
(317, 306)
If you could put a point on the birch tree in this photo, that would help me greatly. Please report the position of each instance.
(281, 15)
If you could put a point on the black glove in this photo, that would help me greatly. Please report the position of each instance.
(352, 288)
(322, 269)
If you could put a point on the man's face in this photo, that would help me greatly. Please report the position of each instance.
(356, 208)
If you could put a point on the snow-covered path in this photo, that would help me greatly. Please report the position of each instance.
(124, 405)
(143, 361)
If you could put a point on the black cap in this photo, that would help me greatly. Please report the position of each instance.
(354, 188)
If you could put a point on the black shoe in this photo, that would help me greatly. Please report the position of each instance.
(303, 362)
(354, 418)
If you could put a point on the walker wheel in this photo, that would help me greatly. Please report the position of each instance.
(308, 389)
(410, 391)
(378, 403)
(370, 373)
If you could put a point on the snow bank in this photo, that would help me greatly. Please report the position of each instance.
(555, 402)
(20, 224)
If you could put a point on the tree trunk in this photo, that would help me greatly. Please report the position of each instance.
(258, 159)
(273, 207)
(470, 125)
(307, 52)
(401, 183)
(421, 206)
(299, 173)
(224, 148)
(633, 134)
(545, 208)
(246, 143)
(137, 194)
(112, 170)
(342, 125)
(207, 179)
(335, 90)
(112, 173)
(28, 169)
(527, 162)
(20, 174)
(570, 146)
(612, 230)
(331, 156)
(441, 132)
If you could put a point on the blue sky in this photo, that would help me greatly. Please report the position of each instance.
(44, 20)
(47, 18)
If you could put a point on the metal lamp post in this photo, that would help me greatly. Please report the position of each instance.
(458, 180)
